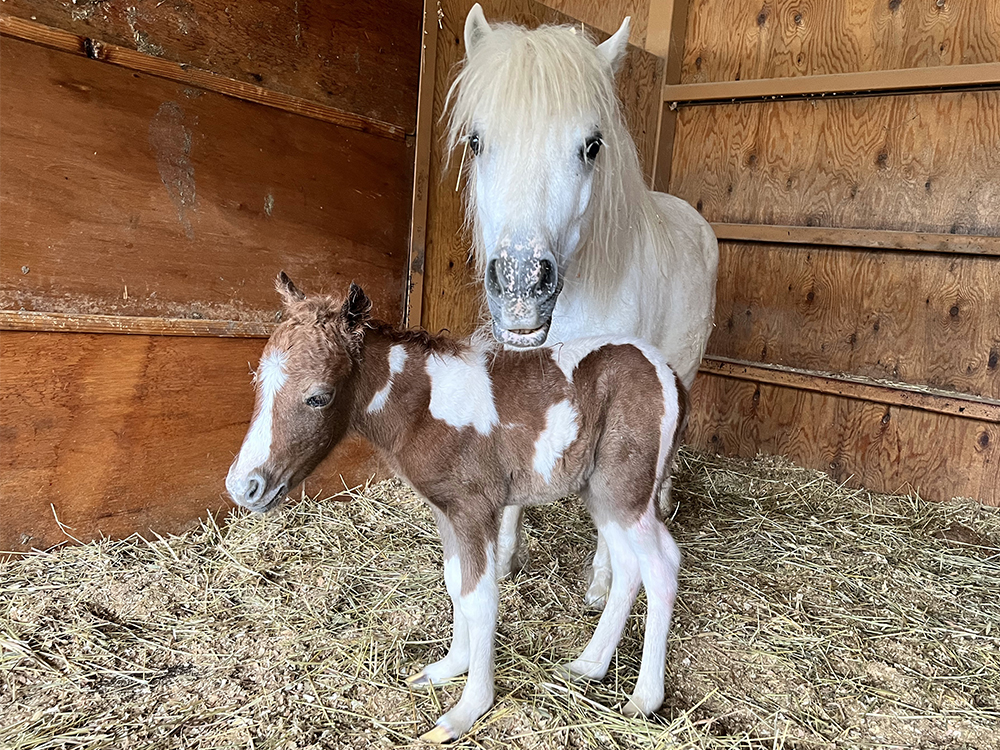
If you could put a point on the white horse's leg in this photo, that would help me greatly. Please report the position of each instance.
(596, 657)
(479, 606)
(512, 552)
(659, 560)
(599, 575)
(456, 662)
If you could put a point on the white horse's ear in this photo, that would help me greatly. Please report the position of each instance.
(613, 50)
(476, 29)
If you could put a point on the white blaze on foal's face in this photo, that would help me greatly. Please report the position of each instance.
(270, 376)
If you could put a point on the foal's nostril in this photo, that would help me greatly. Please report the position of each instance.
(252, 488)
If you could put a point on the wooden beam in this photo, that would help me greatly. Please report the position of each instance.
(838, 84)
(668, 30)
(864, 389)
(94, 49)
(881, 239)
(21, 320)
(414, 291)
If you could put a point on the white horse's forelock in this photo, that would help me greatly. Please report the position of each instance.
(518, 81)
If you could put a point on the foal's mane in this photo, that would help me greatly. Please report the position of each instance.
(519, 80)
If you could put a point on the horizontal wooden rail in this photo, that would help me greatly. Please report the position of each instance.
(881, 239)
(65, 41)
(903, 81)
(21, 320)
(865, 389)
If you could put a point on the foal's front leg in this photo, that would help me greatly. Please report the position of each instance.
(478, 602)
(456, 661)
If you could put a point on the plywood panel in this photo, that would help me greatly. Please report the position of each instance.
(923, 319)
(731, 40)
(884, 448)
(357, 56)
(928, 163)
(608, 16)
(451, 293)
(126, 433)
(130, 195)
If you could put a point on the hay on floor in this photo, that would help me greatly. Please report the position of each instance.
(809, 616)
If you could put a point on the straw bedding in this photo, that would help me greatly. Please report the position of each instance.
(809, 616)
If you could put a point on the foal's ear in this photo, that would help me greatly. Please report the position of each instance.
(288, 291)
(476, 29)
(613, 50)
(357, 309)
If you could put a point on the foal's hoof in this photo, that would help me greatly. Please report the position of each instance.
(597, 595)
(439, 735)
(420, 679)
(635, 709)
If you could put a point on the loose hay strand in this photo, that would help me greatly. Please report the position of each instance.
(810, 615)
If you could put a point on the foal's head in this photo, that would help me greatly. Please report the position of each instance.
(304, 385)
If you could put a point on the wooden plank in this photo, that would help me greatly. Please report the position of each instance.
(927, 320)
(23, 320)
(63, 41)
(421, 168)
(668, 22)
(928, 163)
(929, 242)
(845, 84)
(884, 448)
(731, 40)
(451, 294)
(607, 16)
(126, 433)
(862, 389)
(124, 194)
(351, 56)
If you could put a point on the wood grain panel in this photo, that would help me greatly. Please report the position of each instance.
(608, 16)
(357, 56)
(730, 40)
(925, 163)
(922, 319)
(126, 433)
(884, 448)
(125, 194)
(451, 293)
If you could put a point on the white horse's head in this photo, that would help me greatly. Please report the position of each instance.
(550, 162)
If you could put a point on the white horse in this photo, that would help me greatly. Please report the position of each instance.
(568, 240)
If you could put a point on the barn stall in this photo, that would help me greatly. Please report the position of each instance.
(161, 161)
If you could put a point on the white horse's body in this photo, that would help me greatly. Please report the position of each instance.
(569, 240)
(676, 311)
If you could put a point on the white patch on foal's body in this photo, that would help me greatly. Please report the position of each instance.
(461, 391)
(256, 447)
(397, 361)
(560, 431)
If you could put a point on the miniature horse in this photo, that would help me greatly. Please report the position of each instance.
(475, 429)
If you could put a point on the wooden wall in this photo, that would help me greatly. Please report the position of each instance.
(161, 162)
(451, 293)
(858, 316)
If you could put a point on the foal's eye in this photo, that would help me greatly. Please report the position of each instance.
(591, 148)
(319, 400)
(475, 144)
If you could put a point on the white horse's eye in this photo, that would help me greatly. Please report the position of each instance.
(319, 400)
(475, 144)
(591, 149)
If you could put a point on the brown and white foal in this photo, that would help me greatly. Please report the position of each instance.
(474, 429)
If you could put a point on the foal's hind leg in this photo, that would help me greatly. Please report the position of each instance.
(659, 560)
(596, 657)
(599, 575)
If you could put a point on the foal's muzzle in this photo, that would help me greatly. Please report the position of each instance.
(522, 284)
(254, 491)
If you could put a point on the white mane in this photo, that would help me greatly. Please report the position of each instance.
(518, 81)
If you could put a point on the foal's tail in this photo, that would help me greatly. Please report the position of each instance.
(664, 507)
